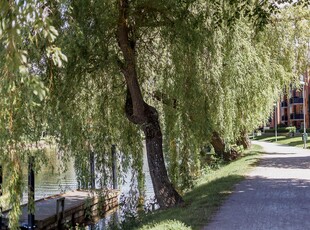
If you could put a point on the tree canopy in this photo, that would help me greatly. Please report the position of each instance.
(69, 68)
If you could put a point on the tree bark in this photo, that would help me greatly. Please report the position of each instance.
(140, 113)
(220, 148)
(244, 140)
(218, 144)
(165, 193)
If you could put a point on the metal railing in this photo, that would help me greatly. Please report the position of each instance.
(296, 100)
(284, 104)
(296, 116)
(284, 118)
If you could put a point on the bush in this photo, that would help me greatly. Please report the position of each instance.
(282, 125)
(269, 131)
(307, 130)
(290, 129)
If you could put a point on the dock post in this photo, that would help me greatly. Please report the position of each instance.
(92, 170)
(114, 166)
(31, 193)
(0, 195)
(60, 214)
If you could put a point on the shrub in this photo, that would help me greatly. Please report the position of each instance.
(307, 130)
(290, 129)
(282, 125)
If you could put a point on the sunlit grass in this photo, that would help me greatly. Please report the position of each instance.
(285, 140)
(167, 224)
(204, 199)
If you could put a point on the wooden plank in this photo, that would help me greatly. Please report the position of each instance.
(76, 202)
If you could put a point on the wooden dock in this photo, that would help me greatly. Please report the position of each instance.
(68, 209)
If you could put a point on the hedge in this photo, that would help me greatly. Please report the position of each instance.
(291, 129)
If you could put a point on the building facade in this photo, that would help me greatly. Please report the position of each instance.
(291, 107)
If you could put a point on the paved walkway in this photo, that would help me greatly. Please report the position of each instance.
(275, 196)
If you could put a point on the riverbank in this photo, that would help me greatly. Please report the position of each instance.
(204, 199)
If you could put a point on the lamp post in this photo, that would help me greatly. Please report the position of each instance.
(304, 112)
(276, 122)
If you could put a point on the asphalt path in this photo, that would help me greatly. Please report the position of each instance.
(274, 196)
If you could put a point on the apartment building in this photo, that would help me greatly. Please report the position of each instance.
(290, 108)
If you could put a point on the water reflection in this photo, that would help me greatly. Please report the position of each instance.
(129, 200)
(52, 179)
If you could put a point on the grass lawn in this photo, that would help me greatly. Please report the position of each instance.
(291, 141)
(204, 199)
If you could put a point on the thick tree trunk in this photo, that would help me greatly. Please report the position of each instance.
(244, 140)
(164, 191)
(140, 113)
(166, 195)
(220, 148)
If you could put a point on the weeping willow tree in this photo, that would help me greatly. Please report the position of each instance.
(199, 64)
(234, 87)
(25, 29)
(264, 64)
(261, 78)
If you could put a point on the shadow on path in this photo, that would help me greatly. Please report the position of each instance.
(276, 195)
(286, 162)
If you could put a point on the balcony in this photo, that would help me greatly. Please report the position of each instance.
(296, 100)
(297, 116)
(284, 118)
(283, 104)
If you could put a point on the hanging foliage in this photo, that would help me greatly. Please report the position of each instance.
(179, 70)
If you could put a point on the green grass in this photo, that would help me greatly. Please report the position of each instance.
(204, 199)
(166, 224)
(281, 139)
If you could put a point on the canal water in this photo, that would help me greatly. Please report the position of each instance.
(52, 179)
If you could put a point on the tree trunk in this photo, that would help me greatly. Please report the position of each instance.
(244, 140)
(220, 148)
(140, 113)
(166, 195)
(218, 144)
